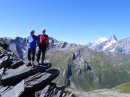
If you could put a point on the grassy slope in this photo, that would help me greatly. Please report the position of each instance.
(107, 74)
(60, 61)
(124, 88)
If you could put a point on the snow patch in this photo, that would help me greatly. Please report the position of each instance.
(100, 40)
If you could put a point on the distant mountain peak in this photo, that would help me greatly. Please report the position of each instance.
(102, 43)
(113, 37)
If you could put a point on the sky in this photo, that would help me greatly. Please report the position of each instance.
(74, 21)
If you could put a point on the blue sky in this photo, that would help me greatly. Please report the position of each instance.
(75, 21)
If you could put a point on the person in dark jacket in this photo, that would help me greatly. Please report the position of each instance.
(32, 43)
(43, 45)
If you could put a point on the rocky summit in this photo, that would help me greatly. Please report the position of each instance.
(17, 79)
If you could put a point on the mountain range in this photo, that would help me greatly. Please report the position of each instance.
(111, 45)
(96, 65)
(19, 47)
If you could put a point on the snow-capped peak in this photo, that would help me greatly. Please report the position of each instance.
(100, 40)
(102, 43)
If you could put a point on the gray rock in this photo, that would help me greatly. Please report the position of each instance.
(40, 80)
(52, 90)
(4, 90)
(17, 64)
(27, 87)
(13, 76)
(3, 44)
(2, 55)
(15, 91)
(3, 61)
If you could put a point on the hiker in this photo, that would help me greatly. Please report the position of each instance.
(43, 45)
(32, 43)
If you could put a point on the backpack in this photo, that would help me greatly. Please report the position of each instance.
(43, 38)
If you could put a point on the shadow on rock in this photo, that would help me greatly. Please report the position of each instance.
(14, 76)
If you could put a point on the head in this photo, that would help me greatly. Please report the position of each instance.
(32, 32)
(43, 31)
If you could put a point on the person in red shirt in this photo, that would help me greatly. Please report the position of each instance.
(43, 45)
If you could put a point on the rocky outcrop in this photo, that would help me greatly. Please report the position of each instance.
(52, 90)
(3, 44)
(17, 79)
(32, 84)
(13, 76)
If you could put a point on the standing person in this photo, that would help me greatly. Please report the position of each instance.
(43, 45)
(32, 43)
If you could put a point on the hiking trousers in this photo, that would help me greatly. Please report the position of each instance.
(42, 49)
(31, 54)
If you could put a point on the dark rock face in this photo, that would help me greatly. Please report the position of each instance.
(17, 46)
(73, 56)
(69, 71)
(3, 61)
(19, 80)
(3, 44)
